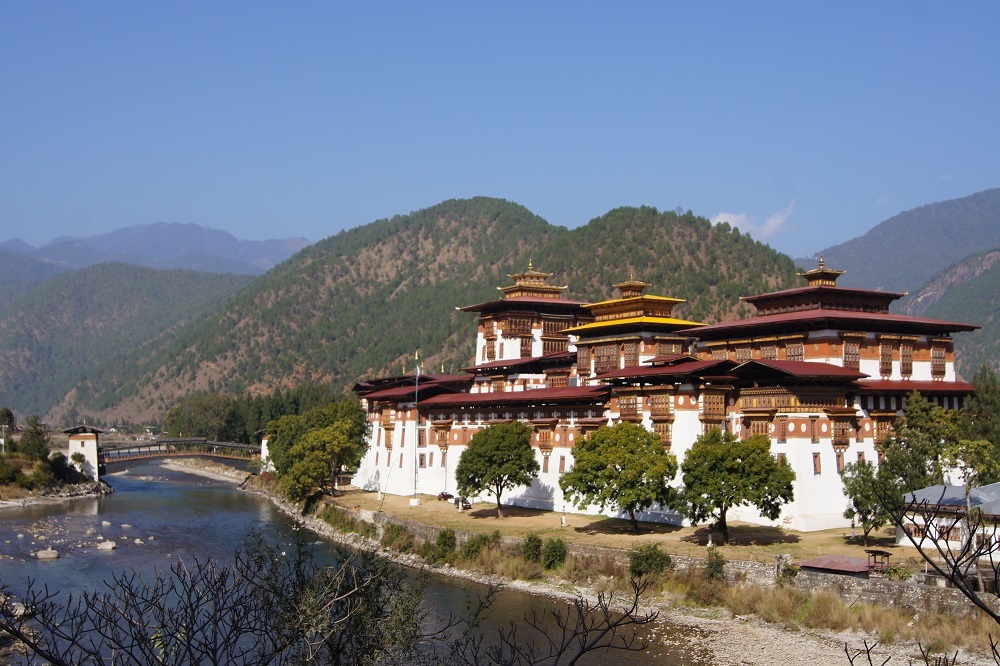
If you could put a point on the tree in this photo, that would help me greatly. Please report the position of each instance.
(721, 471)
(284, 433)
(200, 415)
(269, 609)
(498, 458)
(981, 417)
(624, 466)
(34, 440)
(7, 418)
(319, 455)
(861, 488)
(915, 453)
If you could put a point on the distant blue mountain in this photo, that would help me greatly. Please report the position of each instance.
(164, 245)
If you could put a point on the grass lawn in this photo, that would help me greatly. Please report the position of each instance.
(747, 542)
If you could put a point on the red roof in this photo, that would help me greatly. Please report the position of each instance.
(556, 357)
(671, 359)
(820, 318)
(504, 303)
(805, 368)
(841, 563)
(409, 390)
(529, 397)
(825, 288)
(679, 370)
(907, 385)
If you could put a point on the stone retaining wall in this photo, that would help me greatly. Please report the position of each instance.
(908, 595)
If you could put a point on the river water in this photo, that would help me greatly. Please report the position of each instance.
(177, 515)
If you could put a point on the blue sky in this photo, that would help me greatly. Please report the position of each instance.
(806, 123)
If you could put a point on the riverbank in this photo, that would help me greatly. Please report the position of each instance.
(722, 638)
(63, 494)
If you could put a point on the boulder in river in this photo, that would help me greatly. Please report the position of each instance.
(106, 545)
(47, 554)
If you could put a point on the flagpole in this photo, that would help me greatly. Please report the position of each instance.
(414, 501)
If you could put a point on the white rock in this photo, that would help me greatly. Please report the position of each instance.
(138, 542)
(106, 545)
(105, 523)
(47, 554)
(91, 530)
(151, 538)
(126, 526)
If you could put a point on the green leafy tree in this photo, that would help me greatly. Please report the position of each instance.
(915, 454)
(624, 467)
(319, 455)
(7, 418)
(862, 487)
(981, 418)
(200, 415)
(721, 471)
(34, 440)
(285, 432)
(497, 459)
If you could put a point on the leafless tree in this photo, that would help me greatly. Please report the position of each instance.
(268, 609)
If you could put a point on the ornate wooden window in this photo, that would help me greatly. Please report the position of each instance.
(659, 405)
(444, 458)
(781, 458)
(714, 404)
(553, 346)
(759, 427)
(545, 464)
(743, 354)
(628, 407)
(606, 358)
(491, 349)
(562, 464)
(906, 360)
(583, 360)
(882, 429)
(885, 360)
(558, 381)
(769, 353)
(795, 351)
(430, 459)
(782, 428)
(719, 354)
(630, 351)
(421, 436)
(937, 362)
(526, 346)
(498, 385)
(423, 460)
(861, 456)
(817, 464)
(517, 326)
(550, 327)
(813, 429)
(840, 462)
(662, 429)
(841, 433)
(852, 355)
(668, 348)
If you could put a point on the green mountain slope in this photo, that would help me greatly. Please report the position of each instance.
(905, 251)
(20, 274)
(360, 303)
(969, 291)
(67, 329)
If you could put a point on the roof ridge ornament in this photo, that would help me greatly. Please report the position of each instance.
(822, 276)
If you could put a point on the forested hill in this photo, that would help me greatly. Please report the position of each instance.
(905, 251)
(19, 274)
(70, 327)
(360, 303)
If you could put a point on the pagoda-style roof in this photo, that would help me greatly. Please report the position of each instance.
(820, 319)
(632, 312)
(531, 283)
(903, 386)
(403, 388)
(532, 364)
(822, 276)
(83, 430)
(671, 373)
(528, 304)
(800, 369)
(529, 398)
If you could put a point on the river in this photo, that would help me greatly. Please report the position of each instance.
(177, 515)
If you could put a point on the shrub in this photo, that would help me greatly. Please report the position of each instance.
(8, 473)
(898, 572)
(532, 548)
(715, 565)
(786, 574)
(585, 568)
(476, 544)
(444, 546)
(553, 553)
(827, 611)
(397, 538)
(648, 560)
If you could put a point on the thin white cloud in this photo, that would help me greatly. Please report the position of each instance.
(769, 227)
(882, 199)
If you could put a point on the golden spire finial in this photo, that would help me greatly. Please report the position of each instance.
(822, 263)
(530, 265)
